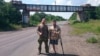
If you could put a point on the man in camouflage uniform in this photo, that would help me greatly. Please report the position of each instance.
(43, 35)
(54, 35)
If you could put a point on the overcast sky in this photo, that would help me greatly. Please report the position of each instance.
(61, 2)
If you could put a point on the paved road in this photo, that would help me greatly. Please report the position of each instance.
(24, 43)
(20, 43)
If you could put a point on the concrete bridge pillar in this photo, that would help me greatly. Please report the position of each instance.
(81, 16)
(25, 17)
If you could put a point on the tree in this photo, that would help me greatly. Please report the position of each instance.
(8, 15)
(1, 2)
(13, 14)
(35, 19)
(98, 12)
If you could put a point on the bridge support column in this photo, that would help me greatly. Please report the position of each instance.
(25, 17)
(82, 17)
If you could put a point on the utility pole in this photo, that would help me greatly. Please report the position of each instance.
(55, 2)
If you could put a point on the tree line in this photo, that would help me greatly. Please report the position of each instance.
(36, 18)
(11, 18)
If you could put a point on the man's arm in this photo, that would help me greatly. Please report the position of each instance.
(50, 29)
(39, 31)
(58, 30)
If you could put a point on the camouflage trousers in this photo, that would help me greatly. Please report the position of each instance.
(40, 41)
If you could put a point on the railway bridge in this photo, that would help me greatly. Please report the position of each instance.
(27, 8)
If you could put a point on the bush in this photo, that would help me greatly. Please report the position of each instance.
(15, 27)
(74, 21)
(9, 27)
(92, 40)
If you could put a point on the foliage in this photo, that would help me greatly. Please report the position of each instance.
(74, 21)
(91, 26)
(8, 16)
(1, 2)
(36, 18)
(90, 14)
(92, 40)
(98, 12)
(93, 14)
(73, 17)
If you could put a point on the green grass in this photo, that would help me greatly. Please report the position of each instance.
(15, 27)
(92, 40)
(91, 26)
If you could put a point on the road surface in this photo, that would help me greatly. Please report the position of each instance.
(24, 43)
(19, 43)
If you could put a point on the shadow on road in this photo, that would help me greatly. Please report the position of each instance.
(52, 54)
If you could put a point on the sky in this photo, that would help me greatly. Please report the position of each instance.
(65, 15)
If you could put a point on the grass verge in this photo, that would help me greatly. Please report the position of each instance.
(10, 27)
(91, 26)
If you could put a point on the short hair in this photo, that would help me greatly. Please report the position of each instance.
(42, 19)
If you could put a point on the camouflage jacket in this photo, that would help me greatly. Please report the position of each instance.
(44, 30)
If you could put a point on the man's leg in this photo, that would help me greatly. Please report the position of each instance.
(40, 44)
(54, 48)
(54, 44)
(46, 46)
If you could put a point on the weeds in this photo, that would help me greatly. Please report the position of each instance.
(91, 26)
(92, 40)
